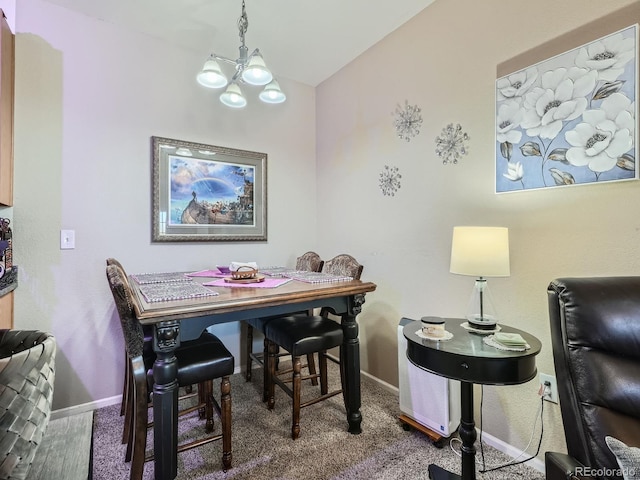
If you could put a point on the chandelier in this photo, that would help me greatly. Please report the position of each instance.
(249, 69)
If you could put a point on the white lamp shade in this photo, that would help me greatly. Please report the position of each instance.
(480, 251)
(232, 97)
(211, 75)
(272, 93)
(256, 72)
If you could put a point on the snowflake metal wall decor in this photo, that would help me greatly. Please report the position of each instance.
(407, 121)
(390, 181)
(451, 144)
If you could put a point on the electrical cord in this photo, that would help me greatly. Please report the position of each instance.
(539, 415)
(514, 462)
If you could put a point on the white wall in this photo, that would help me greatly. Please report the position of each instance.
(88, 98)
(444, 60)
(9, 9)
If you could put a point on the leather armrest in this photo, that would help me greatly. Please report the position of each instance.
(560, 466)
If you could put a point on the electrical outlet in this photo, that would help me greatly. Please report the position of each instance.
(550, 382)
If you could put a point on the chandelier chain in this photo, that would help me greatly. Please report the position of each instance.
(243, 23)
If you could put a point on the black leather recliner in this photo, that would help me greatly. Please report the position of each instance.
(595, 335)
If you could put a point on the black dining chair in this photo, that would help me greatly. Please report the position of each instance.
(309, 262)
(199, 361)
(148, 356)
(306, 335)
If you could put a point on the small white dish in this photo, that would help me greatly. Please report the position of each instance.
(443, 338)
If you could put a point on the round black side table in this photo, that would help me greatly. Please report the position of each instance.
(467, 358)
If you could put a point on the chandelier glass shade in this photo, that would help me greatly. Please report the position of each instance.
(256, 72)
(232, 96)
(249, 69)
(212, 75)
(272, 93)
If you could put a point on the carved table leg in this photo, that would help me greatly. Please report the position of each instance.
(165, 400)
(468, 436)
(467, 432)
(350, 364)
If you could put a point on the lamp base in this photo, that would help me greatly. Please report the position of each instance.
(486, 322)
(481, 314)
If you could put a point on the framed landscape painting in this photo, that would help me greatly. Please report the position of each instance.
(566, 112)
(207, 193)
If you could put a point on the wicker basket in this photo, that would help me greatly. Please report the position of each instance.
(244, 273)
(27, 371)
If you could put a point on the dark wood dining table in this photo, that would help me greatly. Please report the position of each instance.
(181, 320)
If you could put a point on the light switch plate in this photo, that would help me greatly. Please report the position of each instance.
(67, 239)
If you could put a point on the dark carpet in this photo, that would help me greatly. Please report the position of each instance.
(263, 449)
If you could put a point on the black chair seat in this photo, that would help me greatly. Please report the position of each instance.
(205, 357)
(303, 335)
(260, 324)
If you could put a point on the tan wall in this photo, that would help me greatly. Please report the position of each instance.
(444, 60)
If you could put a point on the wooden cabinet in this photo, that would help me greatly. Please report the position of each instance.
(7, 69)
(6, 310)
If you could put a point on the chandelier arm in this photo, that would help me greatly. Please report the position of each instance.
(237, 77)
(224, 59)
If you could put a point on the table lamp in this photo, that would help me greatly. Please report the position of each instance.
(480, 252)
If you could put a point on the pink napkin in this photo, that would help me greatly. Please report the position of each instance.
(266, 283)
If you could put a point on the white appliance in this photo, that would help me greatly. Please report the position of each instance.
(429, 399)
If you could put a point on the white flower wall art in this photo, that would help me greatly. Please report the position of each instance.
(570, 119)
